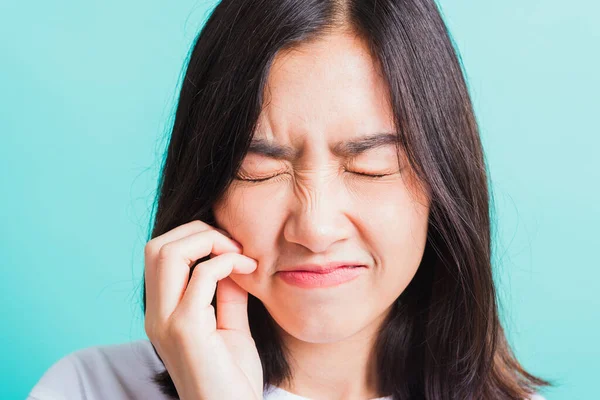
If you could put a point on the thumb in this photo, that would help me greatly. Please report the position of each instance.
(232, 306)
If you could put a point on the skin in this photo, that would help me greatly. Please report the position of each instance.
(317, 209)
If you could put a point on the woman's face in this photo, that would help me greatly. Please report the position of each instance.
(318, 209)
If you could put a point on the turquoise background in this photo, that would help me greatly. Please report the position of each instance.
(87, 93)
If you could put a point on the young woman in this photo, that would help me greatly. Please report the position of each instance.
(322, 228)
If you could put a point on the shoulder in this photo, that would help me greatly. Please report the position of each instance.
(272, 392)
(117, 371)
(537, 396)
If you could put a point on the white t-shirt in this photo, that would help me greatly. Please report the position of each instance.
(119, 372)
(115, 372)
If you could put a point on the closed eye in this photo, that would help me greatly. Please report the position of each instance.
(369, 175)
(256, 180)
(363, 174)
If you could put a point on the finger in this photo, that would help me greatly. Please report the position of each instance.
(203, 283)
(173, 263)
(184, 230)
(232, 306)
(151, 253)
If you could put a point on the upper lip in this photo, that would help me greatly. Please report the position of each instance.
(323, 268)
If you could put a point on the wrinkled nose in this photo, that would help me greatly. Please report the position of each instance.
(318, 216)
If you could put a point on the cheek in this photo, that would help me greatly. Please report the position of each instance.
(245, 216)
(256, 227)
(397, 230)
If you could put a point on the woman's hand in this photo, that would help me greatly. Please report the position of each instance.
(208, 358)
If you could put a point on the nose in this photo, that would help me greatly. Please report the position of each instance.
(318, 217)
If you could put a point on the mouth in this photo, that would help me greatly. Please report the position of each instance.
(321, 278)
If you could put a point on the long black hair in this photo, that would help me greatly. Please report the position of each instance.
(443, 338)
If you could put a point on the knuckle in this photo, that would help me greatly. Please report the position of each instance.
(213, 234)
(166, 251)
(203, 272)
(149, 249)
(200, 225)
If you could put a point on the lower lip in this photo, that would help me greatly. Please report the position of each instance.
(307, 279)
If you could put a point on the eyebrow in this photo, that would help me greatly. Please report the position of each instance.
(348, 148)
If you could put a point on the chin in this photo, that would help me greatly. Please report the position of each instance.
(317, 326)
(329, 317)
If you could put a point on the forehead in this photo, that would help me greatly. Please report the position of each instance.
(329, 90)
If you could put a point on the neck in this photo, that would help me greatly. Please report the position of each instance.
(345, 369)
